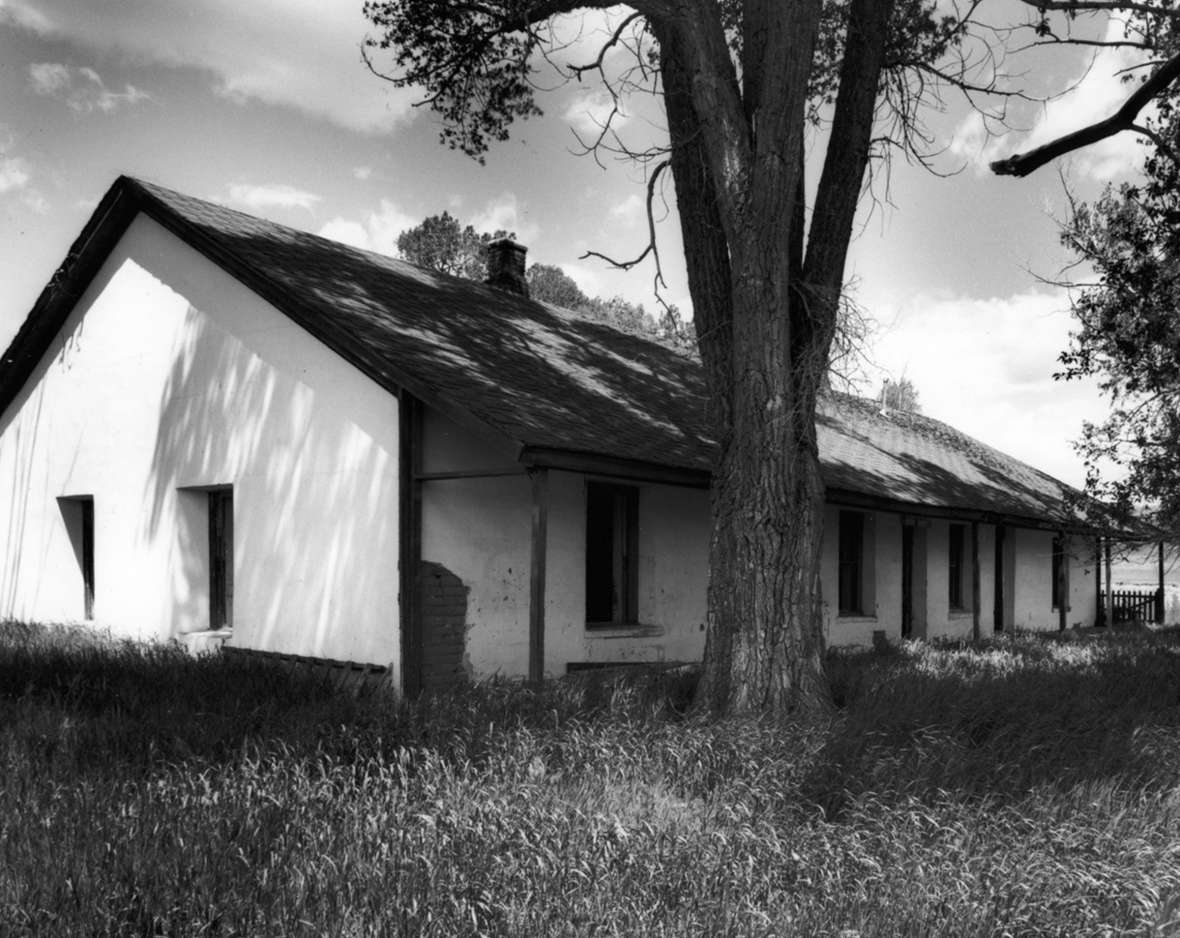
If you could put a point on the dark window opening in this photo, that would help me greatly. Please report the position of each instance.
(78, 514)
(612, 554)
(87, 506)
(221, 559)
(955, 566)
(851, 563)
(1058, 571)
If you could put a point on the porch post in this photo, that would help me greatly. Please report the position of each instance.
(1109, 620)
(1063, 584)
(975, 580)
(410, 539)
(1097, 582)
(1159, 595)
(537, 551)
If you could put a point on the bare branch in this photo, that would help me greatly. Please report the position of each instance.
(1095, 6)
(616, 37)
(1160, 142)
(1021, 164)
(651, 248)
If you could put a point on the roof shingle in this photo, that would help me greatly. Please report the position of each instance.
(537, 375)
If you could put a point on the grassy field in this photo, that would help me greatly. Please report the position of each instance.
(1027, 787)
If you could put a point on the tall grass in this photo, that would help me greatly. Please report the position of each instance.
(1020, 788)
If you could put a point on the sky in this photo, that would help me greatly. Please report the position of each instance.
(267, 107)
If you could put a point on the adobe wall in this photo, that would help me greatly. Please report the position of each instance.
(168, 377)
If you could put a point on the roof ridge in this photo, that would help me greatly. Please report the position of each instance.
(538, 376)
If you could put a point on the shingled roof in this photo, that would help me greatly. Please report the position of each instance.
(552, 383)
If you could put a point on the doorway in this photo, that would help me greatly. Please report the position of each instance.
(913, 580)
(998, 576)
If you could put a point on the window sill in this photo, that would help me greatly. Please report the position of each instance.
(855, 617)
(206, 640)
(623, 630)
(960, 614)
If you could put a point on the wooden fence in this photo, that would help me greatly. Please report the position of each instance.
(1134, 606)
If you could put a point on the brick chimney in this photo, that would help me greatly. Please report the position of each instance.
(506, 266)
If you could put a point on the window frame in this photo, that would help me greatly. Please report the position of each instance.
(1057, 571)
(622, 564)
(956, 568)
(850, 563)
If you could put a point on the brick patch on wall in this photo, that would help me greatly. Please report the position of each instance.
(443, 608)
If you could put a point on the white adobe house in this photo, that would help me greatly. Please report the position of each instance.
(219, 429)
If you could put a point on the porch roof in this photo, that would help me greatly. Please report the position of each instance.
(550, 381)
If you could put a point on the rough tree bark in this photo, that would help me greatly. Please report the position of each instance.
(765, 315)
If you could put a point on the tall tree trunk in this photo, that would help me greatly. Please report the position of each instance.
(764, 648)
(758, 345)
(765, 315)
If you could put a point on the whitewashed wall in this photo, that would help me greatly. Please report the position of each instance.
(169, 375)
(673, 576)
(480, 530)
(933, 617)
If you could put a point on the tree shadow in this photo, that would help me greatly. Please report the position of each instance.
(533, 373)
(909, 458)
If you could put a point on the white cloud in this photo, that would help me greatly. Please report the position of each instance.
(377, 231)
(362, 173)
(14, 174)
(506, 213)
(630, 209)
(589, 112)
(302, 54)
(49, 77)
(272, 195)
(986, 367)
(82, 89)
(23, 14)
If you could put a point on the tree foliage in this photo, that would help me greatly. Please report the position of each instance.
(1128, 334)
(550, 284)
(441, 243)
(1128, 317)
(900, 395)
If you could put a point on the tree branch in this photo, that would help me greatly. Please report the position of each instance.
(1021, 164)
(616, 37)
(651, 248)
(1095, 6)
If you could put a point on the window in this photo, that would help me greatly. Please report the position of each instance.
(221, 558)
(78, 514)
(956, 570)
(612, 555)
(1058, 573)
(851, 563)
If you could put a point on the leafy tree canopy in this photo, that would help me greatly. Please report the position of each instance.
(900, 395)
(444, 244)
(441, 243)
(1128, 317)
